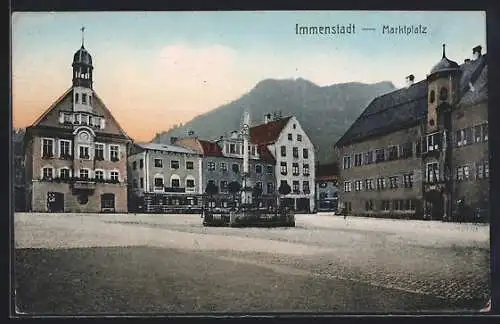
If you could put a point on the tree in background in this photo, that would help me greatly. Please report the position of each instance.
(234, 187)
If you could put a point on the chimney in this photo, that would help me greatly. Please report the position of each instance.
(410, 80)
(476, 52)
(267, 118)
(173, 139)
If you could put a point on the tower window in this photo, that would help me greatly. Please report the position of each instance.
(76, 98)
(84, 98)
(432, 96)
(443, 94)
(90, 100)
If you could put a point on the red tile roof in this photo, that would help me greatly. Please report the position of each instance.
(327, 171)
(210, 148)
(327, 178)
(265, 154)
(268, 133)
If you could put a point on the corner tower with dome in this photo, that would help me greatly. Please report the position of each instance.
(422, 151)
(76, 152)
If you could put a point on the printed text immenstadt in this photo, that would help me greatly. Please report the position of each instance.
(325, 30)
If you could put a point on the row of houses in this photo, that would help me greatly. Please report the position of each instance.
(77, 158)
(422, 151)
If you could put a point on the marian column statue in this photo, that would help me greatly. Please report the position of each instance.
(246, 190)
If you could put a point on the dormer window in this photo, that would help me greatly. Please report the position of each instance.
(68, 118)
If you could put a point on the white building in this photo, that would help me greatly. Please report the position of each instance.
(164, 178)
(294, 154)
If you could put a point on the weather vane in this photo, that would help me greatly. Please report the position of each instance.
(83, 35)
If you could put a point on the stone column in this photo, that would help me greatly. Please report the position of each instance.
(445, 206)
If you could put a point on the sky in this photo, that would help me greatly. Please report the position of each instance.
(157, 69)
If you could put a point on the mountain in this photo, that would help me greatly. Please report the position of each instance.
(325, 112)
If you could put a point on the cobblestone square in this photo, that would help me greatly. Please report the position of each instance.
(97, 263)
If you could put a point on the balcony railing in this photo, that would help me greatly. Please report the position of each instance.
(66, 156)
(431, 154)
(175, 189)
(84, 184)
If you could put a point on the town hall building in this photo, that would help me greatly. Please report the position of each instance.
(75, 152)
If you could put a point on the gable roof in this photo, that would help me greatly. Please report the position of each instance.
(110, 115)
(268, 133)
(165, 148)
(52, 106)
(407, 107)
(64, 103)
(210, 148)
(265, 154)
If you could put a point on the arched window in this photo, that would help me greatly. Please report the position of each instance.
(64, 173)
(443, 94)
(114, 176)
(47, 173)
(84, 174)
(99, 175)
(175, 181)
(432, 96)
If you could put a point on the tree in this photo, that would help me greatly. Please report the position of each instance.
(211, 189)
(257, 191)
(284, 188)
(234, 187)
(257, 194)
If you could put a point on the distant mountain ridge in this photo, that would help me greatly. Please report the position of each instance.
(325, 112)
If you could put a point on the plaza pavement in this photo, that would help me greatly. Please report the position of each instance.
(97, 263)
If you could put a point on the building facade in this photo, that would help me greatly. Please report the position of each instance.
(223, 163)
(327, 187)
(18, 167)
(422, 151)
(164, 179)
(295, 158)
(75, 152)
